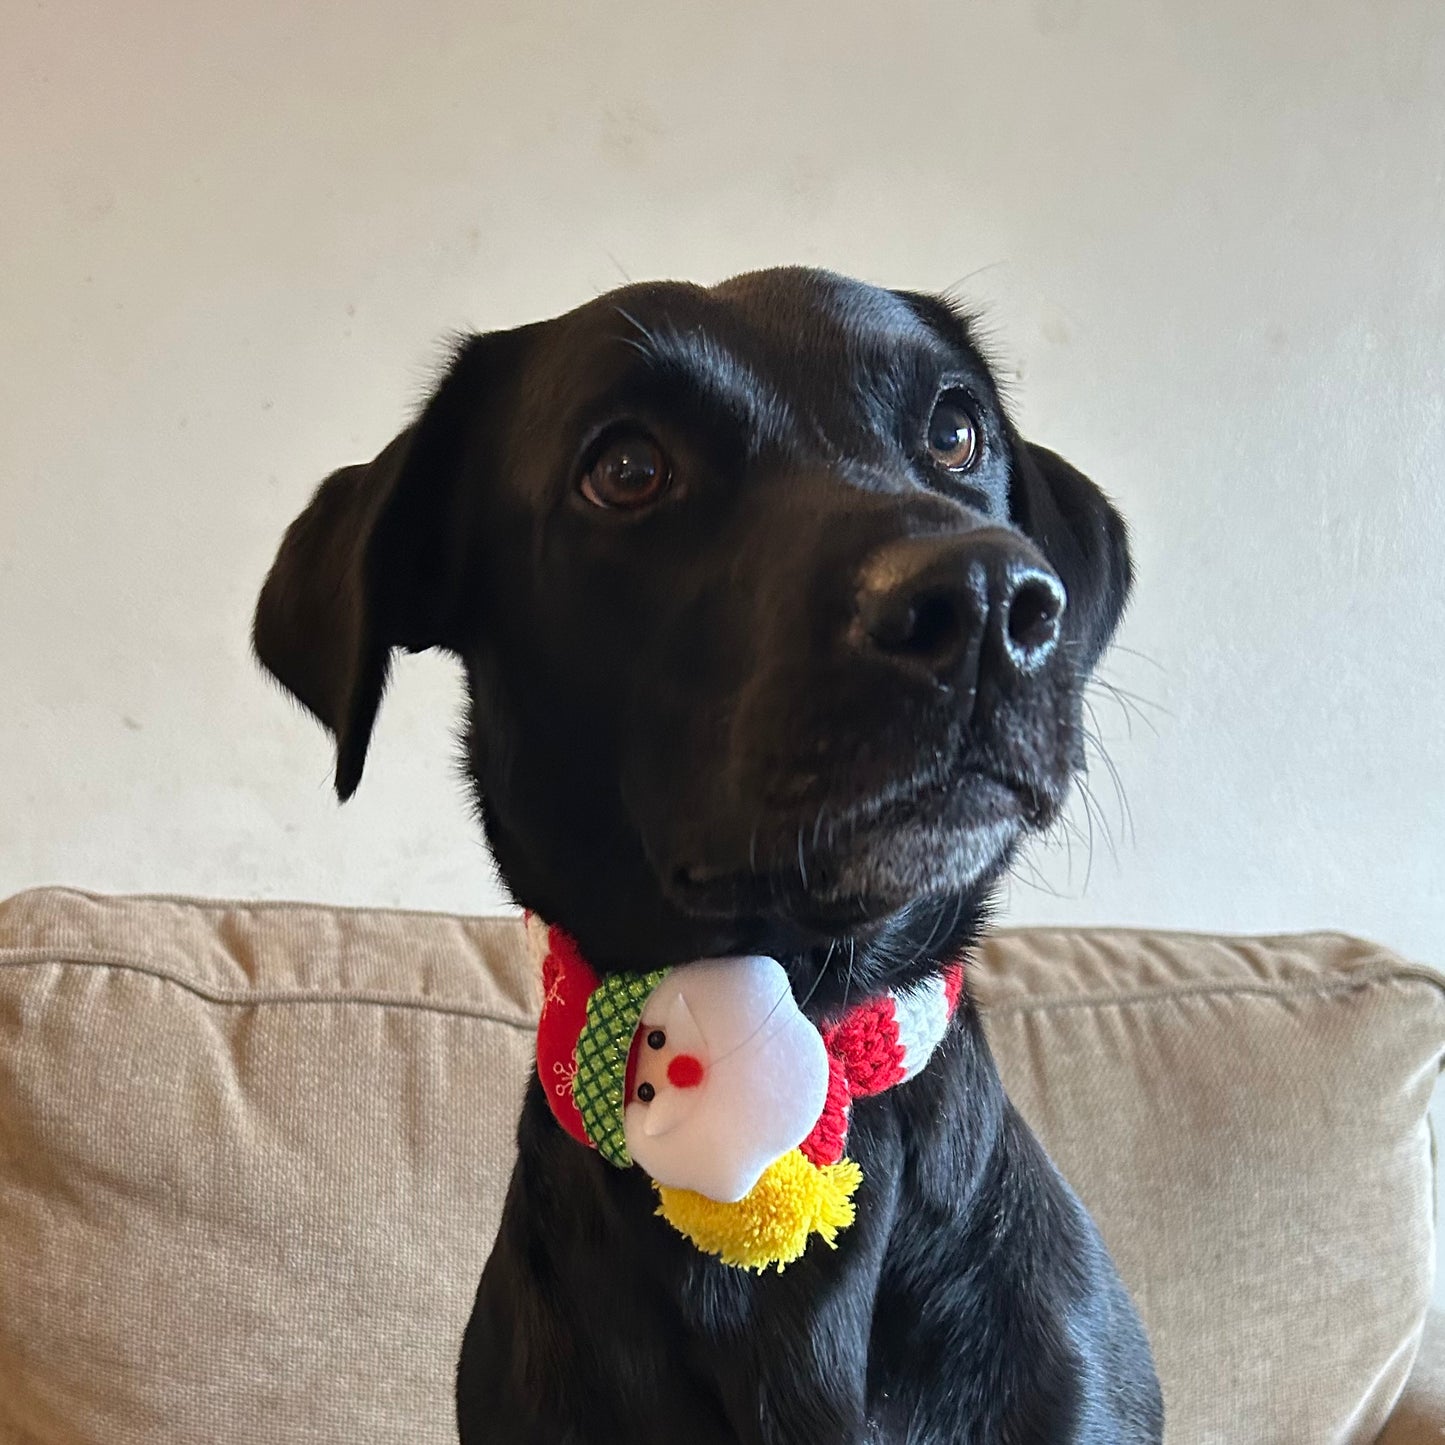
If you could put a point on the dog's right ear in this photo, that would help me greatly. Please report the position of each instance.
(373, 563)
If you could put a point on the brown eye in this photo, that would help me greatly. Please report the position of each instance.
(953, 435)
(629, 472)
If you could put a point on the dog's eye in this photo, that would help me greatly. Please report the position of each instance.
(953, 435)
(629, 472)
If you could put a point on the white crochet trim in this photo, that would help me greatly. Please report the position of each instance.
(920, 1014)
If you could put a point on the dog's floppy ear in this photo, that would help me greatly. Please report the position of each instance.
(1082, 535)
(373, 563)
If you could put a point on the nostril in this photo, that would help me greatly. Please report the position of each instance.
(924, 625)
(1033, 618)
(934, 627)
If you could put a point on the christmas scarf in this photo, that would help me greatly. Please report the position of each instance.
(710, 1078)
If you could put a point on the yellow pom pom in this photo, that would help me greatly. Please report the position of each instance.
(771, 1224)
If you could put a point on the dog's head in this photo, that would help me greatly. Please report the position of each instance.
(774, 627)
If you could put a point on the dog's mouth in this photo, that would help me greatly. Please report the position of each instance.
(840, 869)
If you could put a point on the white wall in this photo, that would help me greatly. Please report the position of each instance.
(1209, 239)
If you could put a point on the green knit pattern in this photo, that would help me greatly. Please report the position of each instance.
(600, 1084)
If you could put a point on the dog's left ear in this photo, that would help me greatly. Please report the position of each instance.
(1084, 538)
(375, 561)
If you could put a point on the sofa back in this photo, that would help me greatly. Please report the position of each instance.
(252, 1157)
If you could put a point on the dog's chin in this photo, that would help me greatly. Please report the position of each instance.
(891, 857)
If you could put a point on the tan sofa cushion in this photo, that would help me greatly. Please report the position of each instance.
(251, 1157)
(250, 1162)
(1246, 1119)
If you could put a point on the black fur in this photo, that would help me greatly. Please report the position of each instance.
(685, 743)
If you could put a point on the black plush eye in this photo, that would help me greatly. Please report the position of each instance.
(630, 471)
(953, 434)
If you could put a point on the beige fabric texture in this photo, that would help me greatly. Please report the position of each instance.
(252, 1156)
(1246, 1120)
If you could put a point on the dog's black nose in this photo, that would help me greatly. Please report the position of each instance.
(958, 606)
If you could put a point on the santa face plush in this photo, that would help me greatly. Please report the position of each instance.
(727, 1075)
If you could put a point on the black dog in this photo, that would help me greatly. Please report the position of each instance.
(775, 633)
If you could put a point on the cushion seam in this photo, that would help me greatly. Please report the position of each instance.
(1130, 930)
(1170, 992)
(22, 958)
(208, 906)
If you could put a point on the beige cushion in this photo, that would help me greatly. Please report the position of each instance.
(250, 1162)
(1246, 1119)
(251, 1157)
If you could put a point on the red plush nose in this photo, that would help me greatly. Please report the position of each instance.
(684, 1071)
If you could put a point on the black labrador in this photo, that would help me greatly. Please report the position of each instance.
(775, 632)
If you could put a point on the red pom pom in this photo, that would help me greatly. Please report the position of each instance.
(866, 1042)
(825, 1144)
(684, 1071)
(567, 982)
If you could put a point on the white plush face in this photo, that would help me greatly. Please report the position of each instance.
(729, 1076)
